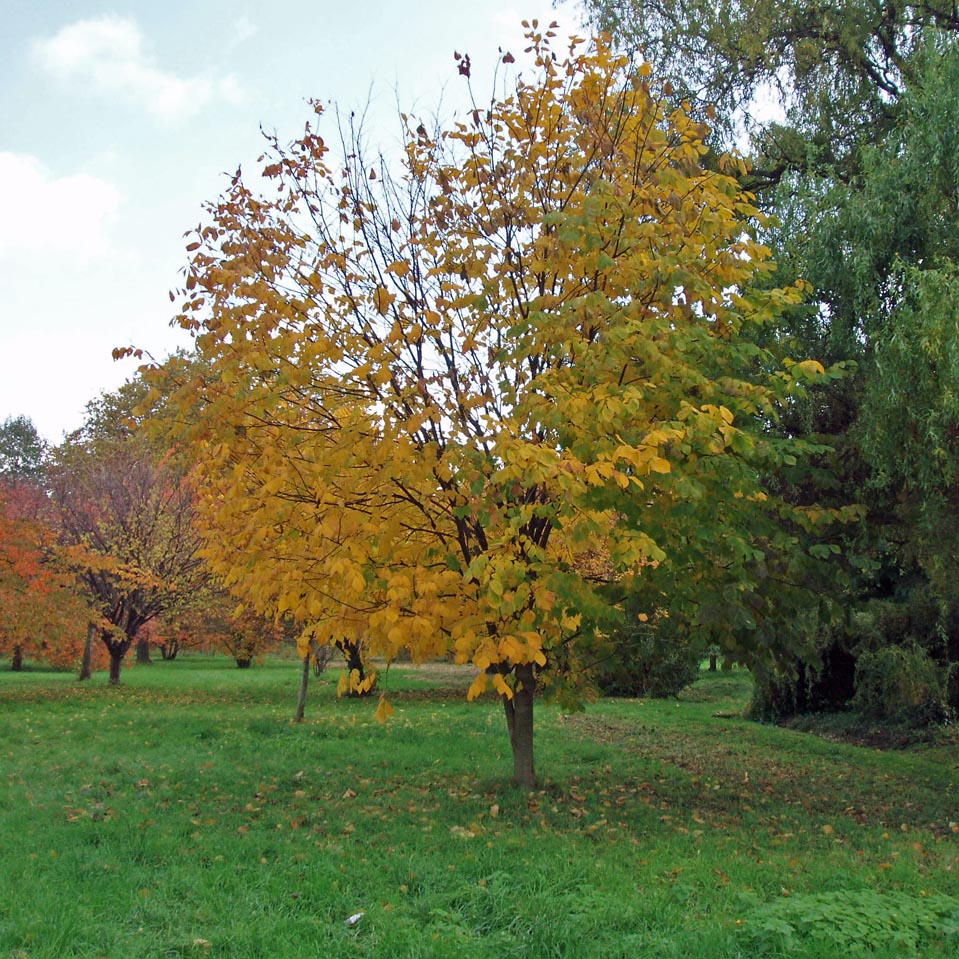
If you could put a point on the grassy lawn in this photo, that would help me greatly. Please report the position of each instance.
(182, 814)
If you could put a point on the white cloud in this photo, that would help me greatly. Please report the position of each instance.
(107, 55)
(243, 29)
(45, 215)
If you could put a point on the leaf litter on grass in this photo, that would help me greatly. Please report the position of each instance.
(650, 818)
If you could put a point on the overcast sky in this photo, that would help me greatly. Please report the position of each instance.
(120, 120)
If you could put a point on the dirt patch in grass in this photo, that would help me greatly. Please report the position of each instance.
(440, 681)
(441, 672)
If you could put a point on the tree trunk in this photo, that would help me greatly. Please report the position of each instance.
(116, 658)
(712, 662)
(519, 721)
(143, 651)
(169, 650)
(243, 663)
(86, 663)
(16, 659)
(353, 658)
(320, 657)
(304, 682)
(316, 658)
(354, 661)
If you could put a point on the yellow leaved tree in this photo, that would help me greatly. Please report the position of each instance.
(425, 396)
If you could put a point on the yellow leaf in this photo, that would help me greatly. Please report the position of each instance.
(501, 686)
(383, 299)
(477, 687)
(810, 368)
(384, 711)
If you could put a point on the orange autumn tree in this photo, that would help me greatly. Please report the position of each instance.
(430, 390)
(211, 618)
(43, 613)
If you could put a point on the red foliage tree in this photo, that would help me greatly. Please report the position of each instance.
(132, 513)
(44, 613)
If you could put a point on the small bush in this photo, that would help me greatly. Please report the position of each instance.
(952, 686)
(775, 697)
(897, 682)
(825, 681)
(649, 660)
(858, 922)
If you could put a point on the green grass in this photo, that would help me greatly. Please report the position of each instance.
(183, 815)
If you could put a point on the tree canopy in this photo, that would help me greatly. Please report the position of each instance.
(22, 449)
(461, 403)
(130, 507)
(860, 171)
(44, 610)
(836, 68)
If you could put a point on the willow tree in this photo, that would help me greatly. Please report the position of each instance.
(836, 68)
(447, 402)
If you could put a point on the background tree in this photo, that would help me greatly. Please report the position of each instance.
(837, 69)
(112, 419)
(42, 609)
(248, 637)
(22, 450)
(212, 620)
(175, 633)
(902, 221)
(133, 511)
(860, 169)
(433, 392)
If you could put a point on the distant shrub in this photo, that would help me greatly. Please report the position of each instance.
(775, 697)
(647, 659)
(824, 681)
(915, 619)
(952, 686)
(898, 682)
